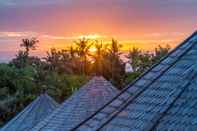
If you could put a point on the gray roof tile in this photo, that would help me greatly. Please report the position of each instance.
(79, 106)
(32, 114)
(161, 101)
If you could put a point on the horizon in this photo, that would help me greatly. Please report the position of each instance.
(57, 24)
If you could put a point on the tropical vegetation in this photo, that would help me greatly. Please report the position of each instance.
(62, 72)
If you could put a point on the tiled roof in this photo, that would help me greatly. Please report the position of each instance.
(163, 98)
(32, 114)
(79, 106)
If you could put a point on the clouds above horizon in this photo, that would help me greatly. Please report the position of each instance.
(126, 20)
(13, 3)
(37, 15)
(90, 2)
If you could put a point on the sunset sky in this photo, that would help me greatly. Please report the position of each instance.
(56, 23)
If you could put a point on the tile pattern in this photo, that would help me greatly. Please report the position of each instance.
(32, 114)
(157, 99)
(79, 106)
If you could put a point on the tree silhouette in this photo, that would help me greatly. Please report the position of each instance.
(134, 56)
(113, 65)
(141, 61)
(22, 58)
(29, 44)
(98, 59)
(160, 52)
(83, 50)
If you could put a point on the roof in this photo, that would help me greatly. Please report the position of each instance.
(32, 114)
(163, 98)
(79, 106)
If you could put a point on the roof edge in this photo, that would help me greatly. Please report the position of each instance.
(132, 83)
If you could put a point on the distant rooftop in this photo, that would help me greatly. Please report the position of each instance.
(79, 106)
(32, 114)
(163, 98)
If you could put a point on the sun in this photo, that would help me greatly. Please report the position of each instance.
(91, 36)
(92, 49)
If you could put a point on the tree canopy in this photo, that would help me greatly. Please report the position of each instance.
(62, 72)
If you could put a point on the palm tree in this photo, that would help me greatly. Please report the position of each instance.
(21, 59)
(53, 59)
(73, 59)
(113, 65)
(134, 56)
(114, 53)
(66, 61)
(98, 59)
(160, 52)
(82, 48)
(115, 47)
(29, 44)
(72, 52)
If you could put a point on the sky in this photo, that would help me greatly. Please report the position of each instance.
(56, 23)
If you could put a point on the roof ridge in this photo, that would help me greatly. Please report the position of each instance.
(97, 80)
(49, 98)
(141, 91)
(128, 86)
(82, 99)
(28, 110)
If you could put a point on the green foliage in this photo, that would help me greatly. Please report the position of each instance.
(160, 52)
(98, 57)
(78, 60)
(62, 72)
(19, 86)
(16, 87)
(141, 61)
(82, 49)
(61, 86)
(22, 58)
(135, 56)
(131, 76)
(113, 65)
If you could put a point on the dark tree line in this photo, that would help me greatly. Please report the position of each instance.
(62, 72)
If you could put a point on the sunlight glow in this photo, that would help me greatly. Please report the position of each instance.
(92, 49)
(91, 36)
